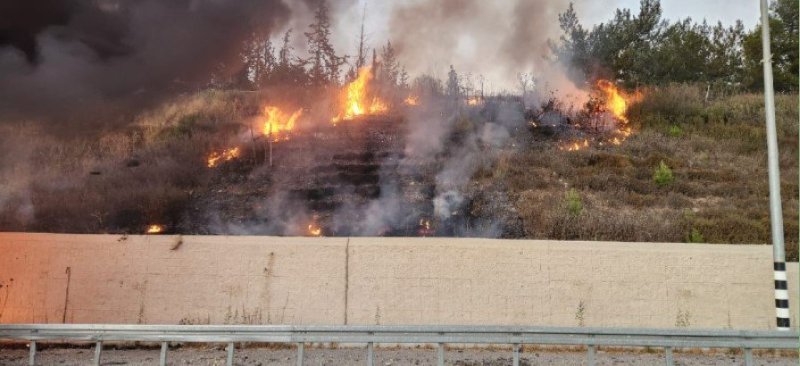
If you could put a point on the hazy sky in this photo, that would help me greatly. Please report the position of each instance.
(595, 11)
(481, 28)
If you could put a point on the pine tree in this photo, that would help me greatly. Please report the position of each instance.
(325, 65)
(390, 69)
(452, 84)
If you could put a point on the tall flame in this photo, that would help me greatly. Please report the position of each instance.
(278, 123)
(356, 99)
(616, 101)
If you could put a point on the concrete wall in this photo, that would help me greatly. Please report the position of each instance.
(268, 280)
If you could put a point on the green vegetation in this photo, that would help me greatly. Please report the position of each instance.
(719, 161)
(646, 49)
(573, 202)
(675, 131)
(663, 175)
(695, 236)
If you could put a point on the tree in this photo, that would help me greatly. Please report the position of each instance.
(574, 48)
(325, 64)
(783, 23)
(452, 84)
(427, 86)
(390, 67)
(288, 70)
(644, 49)
(525, 80)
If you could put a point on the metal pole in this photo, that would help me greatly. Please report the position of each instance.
(370, 354)
(162, 361)
(32, 354)
(515, 362)
(668, 356)
(775, 210)
(98, 347)
(590, 356)
(440, 355)
(748, 357)
(229, 361)
(300, 351)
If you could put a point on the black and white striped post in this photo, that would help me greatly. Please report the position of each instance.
(775, 210)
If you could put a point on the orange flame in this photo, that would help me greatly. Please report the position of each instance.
(314, 230)
(217, 157)
(617, 102)
(155, 229)
(473, 101)
(575, 146)
(356, 101)
(412, 100)
(279, 124)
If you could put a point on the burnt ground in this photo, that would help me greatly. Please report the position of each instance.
(350, 179)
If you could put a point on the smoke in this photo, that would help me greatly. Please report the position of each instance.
(80, 63)
(495, 39)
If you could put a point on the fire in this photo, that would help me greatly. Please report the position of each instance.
(425, 227)
(575, 146)
(155, 229)
(412, 100)
(617, 102)
(473, 101)
(217, 157)
(607, 115)
(314, 230)
(356, 99)
(279, 124)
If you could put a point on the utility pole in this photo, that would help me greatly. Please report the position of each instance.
(775, 210)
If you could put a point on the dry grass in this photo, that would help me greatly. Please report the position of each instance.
(119, 181)
(124, 180)
(719, 192)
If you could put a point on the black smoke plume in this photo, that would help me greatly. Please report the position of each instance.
(79, 64)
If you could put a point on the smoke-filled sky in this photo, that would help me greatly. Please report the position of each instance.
(479, 37)
(89, 60)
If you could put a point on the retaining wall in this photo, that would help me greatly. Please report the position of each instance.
(49, 278)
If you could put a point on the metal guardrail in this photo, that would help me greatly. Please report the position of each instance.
(440, 335)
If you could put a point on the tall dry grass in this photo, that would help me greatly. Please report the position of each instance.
(718, 160)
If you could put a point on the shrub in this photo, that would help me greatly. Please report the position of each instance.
(675, 131)
(574, 203)
(663, 175)
(695, 236)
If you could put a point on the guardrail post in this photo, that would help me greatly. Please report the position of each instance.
(370, 354)
(300, 351)
(590, 356)
(32, 354)
(516, 355)
(162, 361)
(229, 362)
(440, 355)
(748, 357)
(98, 347)
(668, 356)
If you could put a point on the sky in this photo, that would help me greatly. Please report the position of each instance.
(592, 12)
(476, 48)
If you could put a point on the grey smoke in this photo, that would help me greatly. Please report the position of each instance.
(496, 39)
(77, 64)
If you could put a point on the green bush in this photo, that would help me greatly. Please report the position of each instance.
(675, 131)
(695, 236)
(574, 203)
(663, 175)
